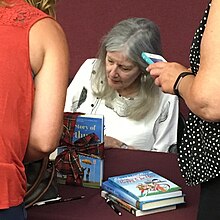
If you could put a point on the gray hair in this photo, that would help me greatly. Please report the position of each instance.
(131, 37)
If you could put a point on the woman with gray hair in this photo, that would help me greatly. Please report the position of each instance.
(137, 114)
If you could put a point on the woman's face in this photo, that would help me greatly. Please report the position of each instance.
(121, 72)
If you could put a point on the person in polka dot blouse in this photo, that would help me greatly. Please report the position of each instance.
(199, 151)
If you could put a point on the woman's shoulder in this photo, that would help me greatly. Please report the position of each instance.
(84, 72)
(87, 67)
(89, 62)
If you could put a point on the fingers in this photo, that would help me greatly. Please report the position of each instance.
(157, 81)
(158, 65)
(155, 69)
(111, 142)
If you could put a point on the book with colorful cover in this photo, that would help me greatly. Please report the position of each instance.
(148, 205)
(93, 170)
(87, 124)
(146, 186)
(133, 210)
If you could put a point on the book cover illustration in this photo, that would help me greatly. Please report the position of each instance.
(142, 205)
(133, 210)
(107, 186)
(87, 124)
(92, 170)
(146, 185)
(93, 146)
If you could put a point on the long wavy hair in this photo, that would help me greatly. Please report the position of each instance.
(47, 6)
(131, 37)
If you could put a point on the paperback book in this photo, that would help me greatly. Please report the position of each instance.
(142, 205)
(133, 210)
(146, 186)
(93, 170)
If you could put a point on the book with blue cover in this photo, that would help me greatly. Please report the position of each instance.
(92, 165)
(146, 186)
(87, 124)
(143, 205)
(92, 170)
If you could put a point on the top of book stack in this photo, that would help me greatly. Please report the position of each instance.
(144, 190)
(146, 185)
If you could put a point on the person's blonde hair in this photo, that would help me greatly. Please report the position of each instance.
(3, 3)
(47, 6)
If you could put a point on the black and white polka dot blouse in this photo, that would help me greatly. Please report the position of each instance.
(199, 153)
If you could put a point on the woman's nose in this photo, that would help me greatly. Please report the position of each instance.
(113, 70)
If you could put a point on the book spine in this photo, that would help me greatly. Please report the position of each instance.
(120, 194)
(120, 203)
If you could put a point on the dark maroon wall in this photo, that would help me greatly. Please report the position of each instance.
(86, 21)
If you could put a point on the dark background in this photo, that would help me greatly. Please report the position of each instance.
(86, 21)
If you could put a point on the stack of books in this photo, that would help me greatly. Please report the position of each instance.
(142, 193)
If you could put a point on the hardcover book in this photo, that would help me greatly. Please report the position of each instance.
(142, 205)
(93, 170)
(133, 210)
(146, 186)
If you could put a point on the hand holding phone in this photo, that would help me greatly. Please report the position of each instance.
(152, 58)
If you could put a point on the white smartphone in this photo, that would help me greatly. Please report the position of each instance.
(152, 58)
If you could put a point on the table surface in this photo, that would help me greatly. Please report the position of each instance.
(117, 162)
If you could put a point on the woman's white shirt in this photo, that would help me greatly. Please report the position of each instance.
(155, 133)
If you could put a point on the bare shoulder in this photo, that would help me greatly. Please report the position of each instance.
(46, 37)
(47, 27)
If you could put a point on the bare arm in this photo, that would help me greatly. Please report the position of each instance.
(111, 142)
(50, 61)
(204, 96)
(201, 93)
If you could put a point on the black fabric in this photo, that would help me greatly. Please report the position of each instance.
(210, 200)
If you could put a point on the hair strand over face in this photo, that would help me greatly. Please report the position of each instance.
(130, 37)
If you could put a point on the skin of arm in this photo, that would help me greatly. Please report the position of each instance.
(49, 57)
(201, 93)
(111, 142)
(206, 86)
